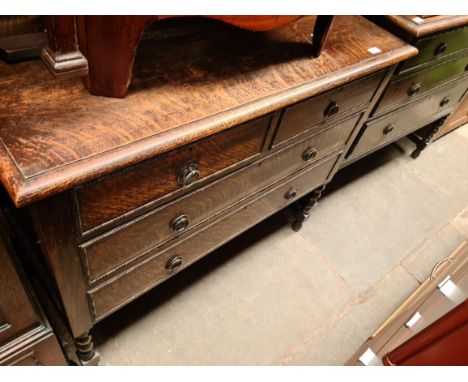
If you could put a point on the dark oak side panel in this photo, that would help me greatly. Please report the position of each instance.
(53, 222)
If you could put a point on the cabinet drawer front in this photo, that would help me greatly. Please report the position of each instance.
(129, 285)
(403, 90)
(125, 243)
(121, 193)
(326, 107)
(17, 314)
(438, 46)
(410, 118)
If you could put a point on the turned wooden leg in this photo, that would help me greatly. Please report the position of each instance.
(421, 143)
(85, 350)
(304, 214)
(321, 30)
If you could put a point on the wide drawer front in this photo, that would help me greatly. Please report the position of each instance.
(404, 89)
(125, 243)
(438, 46)
(130, 284)
(115, 195)
(326, 107)
(408, 119)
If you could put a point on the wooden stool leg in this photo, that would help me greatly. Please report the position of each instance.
(110, 59)
(305, 212)
(321, 30)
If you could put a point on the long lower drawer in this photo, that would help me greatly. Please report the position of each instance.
(408, 119)
(176, 256)
(113, 249)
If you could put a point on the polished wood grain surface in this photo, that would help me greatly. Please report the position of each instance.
(54, 135)
(132, 283)
(114, 248)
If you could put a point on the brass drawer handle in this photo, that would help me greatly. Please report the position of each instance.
(188, 174)
(175, 263)
(440, 49)
(413, 90)
(388, 129)
(309, 154)
(444, 102)
(291, 194)
(332, 109)
(180, 223)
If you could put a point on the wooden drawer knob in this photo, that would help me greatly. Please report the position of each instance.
(440, 49)
(291, 194)
(444, 102)
(180, 223)
(174, 263)
(413, 90)
(309, 154)
(188, 174)
(332, 109)
(388, 129)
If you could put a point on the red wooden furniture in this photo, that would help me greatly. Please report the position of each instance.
(102, 48)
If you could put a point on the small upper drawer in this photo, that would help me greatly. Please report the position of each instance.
(125, 243)
(127, 285)
(326, 107)
(438, 46)
(405, 89)
(120, 193)
(409, 118)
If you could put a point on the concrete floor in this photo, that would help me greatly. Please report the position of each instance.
(277, 297)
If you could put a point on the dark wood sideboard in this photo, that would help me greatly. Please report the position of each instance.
(26, 338)
(220, 129)
(424, 90)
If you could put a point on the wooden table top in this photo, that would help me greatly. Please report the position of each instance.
(189, 82)
(419, 26)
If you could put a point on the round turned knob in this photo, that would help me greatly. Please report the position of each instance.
(440, 49)
(180, 223)
(188, 174)
(332, 109)
(413, 90)
(388, 129)
(444, 102)
(309, 154)
(291, 194)
(174, 263)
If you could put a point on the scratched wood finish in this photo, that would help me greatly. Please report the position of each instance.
(306, 114)
(116, 195)
(55, 135)
(405, 120)
(153, 271)
(126, 243)
(400, 91)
